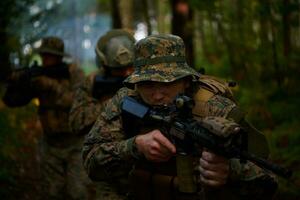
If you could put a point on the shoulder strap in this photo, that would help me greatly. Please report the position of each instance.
(216, 86)
(203, 95)
(209, 86)
(201, 98)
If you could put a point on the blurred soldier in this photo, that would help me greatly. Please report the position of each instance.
(117, 141)
(62, 174)
(114, 57)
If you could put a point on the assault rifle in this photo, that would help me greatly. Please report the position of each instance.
(219, 135)
(106, 85)
(18, 84)
(57, 71)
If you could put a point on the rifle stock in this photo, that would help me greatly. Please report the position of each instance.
(106, 85)
(57, 71)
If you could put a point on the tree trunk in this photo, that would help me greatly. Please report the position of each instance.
(126, 10)
(200, 39)
(182, 25)
(240, 54)
(286, 15)
(163, 8)
(147, 17)
(269, 58)
(4, 57)
(115, 14)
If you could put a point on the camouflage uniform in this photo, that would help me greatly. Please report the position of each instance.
(109, 147)
(63, 176)
(85, 108)
(114, 51)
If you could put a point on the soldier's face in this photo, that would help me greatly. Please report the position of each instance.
(50, 59)
(158, 93)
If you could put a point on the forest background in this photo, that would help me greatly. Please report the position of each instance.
(255, 44)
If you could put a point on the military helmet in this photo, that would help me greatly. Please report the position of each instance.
(52, 45)
(160, 58)
(115, 49)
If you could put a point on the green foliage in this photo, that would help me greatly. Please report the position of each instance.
(256, 43)
(203, 4)
(105, 5)
(284, 143)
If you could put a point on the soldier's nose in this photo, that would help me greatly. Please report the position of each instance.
(157, 94)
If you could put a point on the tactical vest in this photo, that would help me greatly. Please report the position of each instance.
(159, 181)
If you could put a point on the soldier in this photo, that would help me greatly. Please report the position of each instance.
(63, 176)
(114, 56)
(115, 142)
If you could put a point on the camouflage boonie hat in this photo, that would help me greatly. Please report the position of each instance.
(160, 58)
(115, 49)
(52, 45)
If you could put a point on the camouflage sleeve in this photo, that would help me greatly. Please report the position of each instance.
(107, 153)
(85, 109)
(65, 90)
(76, 76)
(246, 179)
(61, 90)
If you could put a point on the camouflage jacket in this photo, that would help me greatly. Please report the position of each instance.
(86, 108)
(55, 97)
(107, 149)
